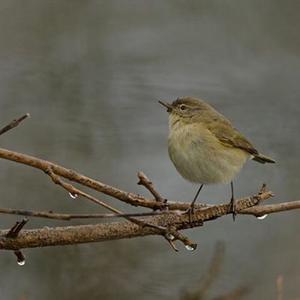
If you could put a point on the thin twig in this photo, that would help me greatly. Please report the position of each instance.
(147, 183)
(68, 217)
(13, 124)
(75, 192)
(261, 210)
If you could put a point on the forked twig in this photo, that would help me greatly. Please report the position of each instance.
(14, 231)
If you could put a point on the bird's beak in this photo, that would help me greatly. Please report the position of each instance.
(167, 105)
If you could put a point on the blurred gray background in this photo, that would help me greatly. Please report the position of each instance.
(90, 74)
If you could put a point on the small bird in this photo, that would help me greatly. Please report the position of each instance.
(204, 146)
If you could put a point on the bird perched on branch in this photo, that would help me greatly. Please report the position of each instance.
(204, 146)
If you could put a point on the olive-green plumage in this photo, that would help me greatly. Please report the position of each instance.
(203, 145)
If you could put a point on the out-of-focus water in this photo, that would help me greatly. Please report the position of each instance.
(90, 73)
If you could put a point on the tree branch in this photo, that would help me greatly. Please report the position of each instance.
(166, 232)
(165, 223)
(259, 211)
(119, 230)
(130, 198)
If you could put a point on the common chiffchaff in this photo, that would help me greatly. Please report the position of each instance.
(204, 146)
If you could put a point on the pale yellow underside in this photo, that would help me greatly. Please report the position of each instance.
(200, 157)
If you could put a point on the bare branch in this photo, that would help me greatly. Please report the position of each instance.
(118, 230)
(205, 212)
(13, 124)
(258, 211)
(162, 230)
(147, 183)
(130, 198)
(166, 224)
(74, 191)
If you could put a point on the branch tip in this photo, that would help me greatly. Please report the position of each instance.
(15, 230)
(14, 123)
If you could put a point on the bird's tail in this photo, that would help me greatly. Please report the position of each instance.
(263, 159)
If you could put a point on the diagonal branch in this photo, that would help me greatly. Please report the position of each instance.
(130, 198)
(75, 192)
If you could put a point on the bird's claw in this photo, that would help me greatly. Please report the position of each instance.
(190, 211)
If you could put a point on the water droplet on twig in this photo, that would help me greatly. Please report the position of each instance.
(20, 257)
(170, 236)
(262, 217)
(73, 196)
(21, 262)
(190, 248)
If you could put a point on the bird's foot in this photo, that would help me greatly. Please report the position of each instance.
(190, 212)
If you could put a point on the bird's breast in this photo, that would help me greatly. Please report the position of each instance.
(200, 157)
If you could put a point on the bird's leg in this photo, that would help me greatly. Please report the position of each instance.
(195, 198)
(232, 202)
(192, 207)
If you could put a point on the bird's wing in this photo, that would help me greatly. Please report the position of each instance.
(228, 135)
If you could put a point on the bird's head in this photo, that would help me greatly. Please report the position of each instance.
(186, 110)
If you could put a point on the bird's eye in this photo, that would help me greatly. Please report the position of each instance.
(182, 107)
